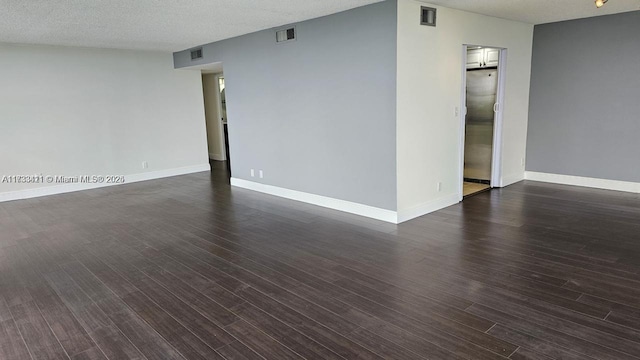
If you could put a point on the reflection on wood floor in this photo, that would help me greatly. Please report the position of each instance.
(470, 188)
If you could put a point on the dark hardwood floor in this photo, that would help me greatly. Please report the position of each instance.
(188, 268)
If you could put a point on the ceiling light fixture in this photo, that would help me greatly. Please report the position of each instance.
(600, 3)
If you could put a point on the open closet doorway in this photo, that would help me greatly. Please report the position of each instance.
(213, 86)
(482, 119)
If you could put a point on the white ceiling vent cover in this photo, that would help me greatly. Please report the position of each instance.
(285, 35)
(196, 54)
(428, 16)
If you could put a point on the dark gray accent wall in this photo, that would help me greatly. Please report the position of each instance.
(318, 114)
(584, 117)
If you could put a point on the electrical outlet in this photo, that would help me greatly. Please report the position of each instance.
(145, 165)
(439, 187)
(261, 174)
(253, 173)
(456, 111)
(523, 162)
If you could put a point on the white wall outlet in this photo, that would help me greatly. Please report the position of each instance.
(456, 111)
(439, 187)
(253, 173)
(145, 165)
(261, 174)
(522, 162)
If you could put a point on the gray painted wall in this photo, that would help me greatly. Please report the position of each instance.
(318, 115)
(584, 116)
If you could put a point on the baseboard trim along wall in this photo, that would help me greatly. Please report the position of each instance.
(216, 157)
(605, 184)
(67, 188)
(327, 202)
(427, 208)
(389, 216)
(511, 179)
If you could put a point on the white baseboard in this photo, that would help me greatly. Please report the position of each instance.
(616, 185)
(511, 179)
(350, 207)
(217, 157)
(427, 208)
(327, 202)
(67, 188)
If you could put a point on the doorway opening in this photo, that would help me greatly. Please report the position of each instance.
(481, 128)
(213, 87)
(223, 118)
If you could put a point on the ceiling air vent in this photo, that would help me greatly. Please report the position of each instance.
(428, 16)
(196, 54)
(285, 35)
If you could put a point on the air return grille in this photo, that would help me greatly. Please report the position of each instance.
(285, 35)
(196, 54)
(428, 16)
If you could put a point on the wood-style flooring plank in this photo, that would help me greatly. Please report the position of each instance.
(139, 333)
(322, 316)
(525, 354)
(189, 345)
(37, 334)
(12, 345)
(238, 351)
(570, 339)
(262, 344)
(536, 344)
(187, 315)
(91, 354)
(286, 335)
(486, 342)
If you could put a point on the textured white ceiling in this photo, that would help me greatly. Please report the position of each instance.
(540, 11)
(173, 25)
(169, 25)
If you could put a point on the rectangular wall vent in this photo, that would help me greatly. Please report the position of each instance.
(428, 16)
(285, 35)
(196, 54)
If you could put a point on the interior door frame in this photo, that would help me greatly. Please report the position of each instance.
(496, 158)
(496, 163)
(219, 120)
